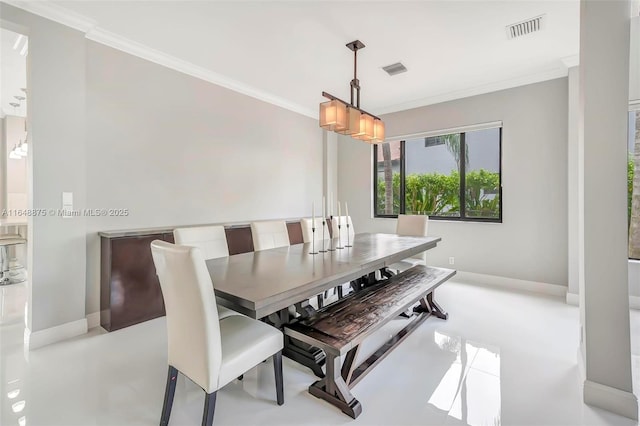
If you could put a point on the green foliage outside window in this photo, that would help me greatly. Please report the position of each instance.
(437, 194)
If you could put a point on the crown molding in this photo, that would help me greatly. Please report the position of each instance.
(55, 13)
(95, 33)
(482, 89)
(145, 52)
(571, 61)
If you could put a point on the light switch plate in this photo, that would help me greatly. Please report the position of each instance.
(67, 205)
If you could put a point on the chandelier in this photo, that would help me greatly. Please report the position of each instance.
(347, 118)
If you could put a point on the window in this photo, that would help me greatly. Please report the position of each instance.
(633, 185)
(454, 176)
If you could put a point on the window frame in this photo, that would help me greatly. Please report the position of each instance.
(634, 107)
(463, 217)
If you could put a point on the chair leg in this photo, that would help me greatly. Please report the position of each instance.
(277, 367)
(170, 390)
(209, 409)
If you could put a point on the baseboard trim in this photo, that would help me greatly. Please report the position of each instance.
(582, 371)
(40, 338)
(512, 283)
(93, 320)
(574, 299)
(611, 399)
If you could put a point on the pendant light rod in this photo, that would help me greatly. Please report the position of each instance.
(355, 83)
(334, 98)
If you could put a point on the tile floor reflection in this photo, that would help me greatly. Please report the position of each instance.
(501, 358)
(470, 389)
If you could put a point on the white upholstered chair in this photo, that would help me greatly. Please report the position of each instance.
(209, 351)
(306, 223)
(212, 241)
(411, 225)
(269, 234)
(342, 220)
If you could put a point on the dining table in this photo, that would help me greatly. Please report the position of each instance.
(265, 284)
(261, 283)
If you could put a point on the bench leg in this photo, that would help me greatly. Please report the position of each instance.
(334, 390)
(348, 366)
(427, 304)
(436, 310)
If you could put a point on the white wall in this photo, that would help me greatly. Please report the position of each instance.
(531, 243)
(56, 163)
(575, 234)
(634, 63)
(3, 166)
(121, 132)
(176, 150)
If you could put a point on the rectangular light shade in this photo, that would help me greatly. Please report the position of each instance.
(333, 115)
(378, 131)
(365, 132)
(353, 122)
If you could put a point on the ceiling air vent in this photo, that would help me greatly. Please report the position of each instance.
(525, 27)
(394, 69)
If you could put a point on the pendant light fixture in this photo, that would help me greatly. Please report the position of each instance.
(339, 116)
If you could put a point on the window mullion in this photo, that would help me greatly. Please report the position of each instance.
(375, 181)
(402, 177)
(463, 171)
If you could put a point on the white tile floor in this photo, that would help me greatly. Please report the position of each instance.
(502, 358)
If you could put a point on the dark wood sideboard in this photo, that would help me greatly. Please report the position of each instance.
(129, 287)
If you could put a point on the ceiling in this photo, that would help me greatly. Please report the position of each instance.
(290, 52)
(13, 73)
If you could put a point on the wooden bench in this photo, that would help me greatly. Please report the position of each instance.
(341, 327)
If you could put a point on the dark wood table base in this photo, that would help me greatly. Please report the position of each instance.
(305, 354)
(340, 379)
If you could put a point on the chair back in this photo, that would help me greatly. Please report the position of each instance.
(306, 223)
(269, 234)
(342, 220)
(193, 329)
(414, 225)
(211, 240)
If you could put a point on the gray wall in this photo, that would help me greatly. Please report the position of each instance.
(121, 132)
(56, 163)
(531, 243)
(176, 150)
(3, 167)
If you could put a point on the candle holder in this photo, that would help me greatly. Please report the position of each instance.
(348, 234)
(313, 240)
(323, 226)
(339, 235)
(331, 239)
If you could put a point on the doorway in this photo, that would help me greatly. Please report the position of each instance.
(14, 185)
